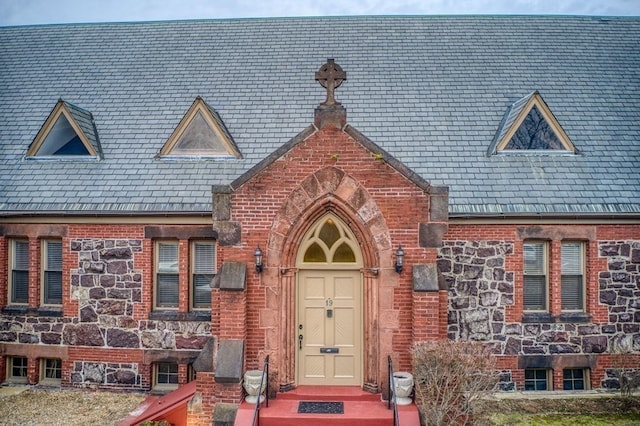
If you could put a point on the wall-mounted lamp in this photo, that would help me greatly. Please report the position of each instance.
(258, 255)
(399, 259)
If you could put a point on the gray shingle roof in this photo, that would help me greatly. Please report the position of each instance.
(431, 91)
(512, 114)
(87, 125)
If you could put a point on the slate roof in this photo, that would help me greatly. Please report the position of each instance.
(431, 91)
(87, 125)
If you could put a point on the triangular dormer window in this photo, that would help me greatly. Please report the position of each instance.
(69, 132)
(200, 133)
(530, 127)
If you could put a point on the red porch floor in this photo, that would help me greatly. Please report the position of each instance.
(360, 408)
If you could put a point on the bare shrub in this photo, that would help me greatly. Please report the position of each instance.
(450, 376)
(625, 369)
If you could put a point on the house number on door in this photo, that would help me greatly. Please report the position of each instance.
(329, 303)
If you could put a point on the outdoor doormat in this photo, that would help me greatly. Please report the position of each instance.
(321, 407)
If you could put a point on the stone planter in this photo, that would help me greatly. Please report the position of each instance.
(403, 386)
(251, 385)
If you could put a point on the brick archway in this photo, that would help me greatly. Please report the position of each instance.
(329, 190)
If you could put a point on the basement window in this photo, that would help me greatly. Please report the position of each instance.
(50, 371)
(537, 379)
(575, 379)
(165, 376)
(17, 369)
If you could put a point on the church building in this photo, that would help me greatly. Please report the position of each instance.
(181, 200)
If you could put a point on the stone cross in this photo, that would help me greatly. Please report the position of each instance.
(330, 76)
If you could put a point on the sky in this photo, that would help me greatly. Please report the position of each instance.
(27, 12)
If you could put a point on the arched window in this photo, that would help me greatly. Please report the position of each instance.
(329, 243)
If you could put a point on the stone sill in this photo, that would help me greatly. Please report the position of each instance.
(545, 317)
(180, 316)
(50, 311)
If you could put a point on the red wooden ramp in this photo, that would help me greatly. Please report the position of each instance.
(360, 408)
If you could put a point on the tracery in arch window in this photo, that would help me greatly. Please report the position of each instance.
(328, 242)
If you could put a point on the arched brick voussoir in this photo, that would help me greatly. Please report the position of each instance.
(275, 244)
(297, 202)
(351, 192)
(327, 189)
(329, 179)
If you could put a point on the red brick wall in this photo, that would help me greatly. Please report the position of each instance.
(4, 272)
(276, 200)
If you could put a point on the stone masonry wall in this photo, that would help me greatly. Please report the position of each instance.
(480, 289)
(102, 373)
(107, 284)
(620, 291)
(620, 287)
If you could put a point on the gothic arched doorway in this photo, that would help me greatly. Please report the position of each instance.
(329, 305)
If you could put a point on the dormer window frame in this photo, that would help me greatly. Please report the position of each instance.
(199, 106)
(535, 101)
(61, 109)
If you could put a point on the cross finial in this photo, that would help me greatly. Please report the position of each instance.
(330, 76)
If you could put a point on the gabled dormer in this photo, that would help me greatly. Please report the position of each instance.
(68, 132)
(200, 133)
(529, 127)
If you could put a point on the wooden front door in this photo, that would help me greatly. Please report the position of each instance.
(329, 306)
(330, 328)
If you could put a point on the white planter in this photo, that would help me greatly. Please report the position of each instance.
(251, 385)
(403, 385)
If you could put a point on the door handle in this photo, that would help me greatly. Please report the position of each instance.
(300, 337)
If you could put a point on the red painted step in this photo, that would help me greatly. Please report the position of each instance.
(360, 408)
(329, 393)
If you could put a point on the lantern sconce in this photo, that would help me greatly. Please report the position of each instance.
(399, 259)
(258, 255)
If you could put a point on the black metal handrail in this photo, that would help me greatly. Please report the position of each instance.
(265, 373)
(392, 394)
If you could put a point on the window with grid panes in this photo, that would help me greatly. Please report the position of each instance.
(50, 371)
(536, 379)
(575, 379)
(52, 272)
(17, 369)
(167, 282)
(165, 375)
(19, 272)
(572, 281)
(535, 276)
(203, 269)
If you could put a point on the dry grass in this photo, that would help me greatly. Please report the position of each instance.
(602, 410)
(66, 407)
(39, 407)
